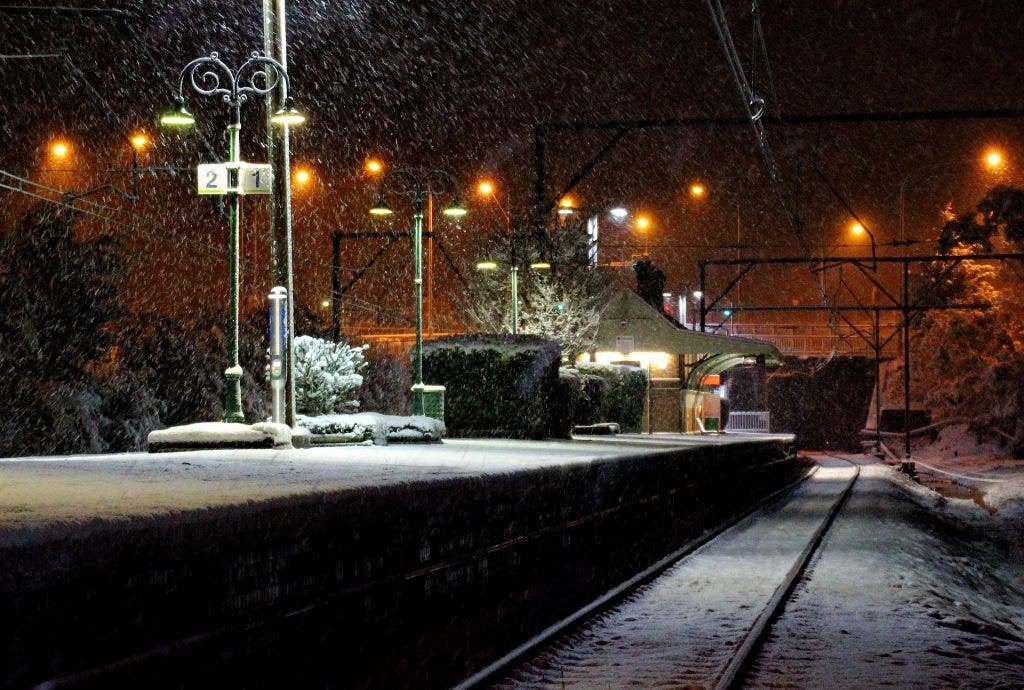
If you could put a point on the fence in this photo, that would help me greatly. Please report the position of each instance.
(749, 422)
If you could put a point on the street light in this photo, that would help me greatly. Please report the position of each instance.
(60, 149)
(697, 190)
(514, 284)
(374, 166)
(487, 188)
(993, 159)
(210, 76)
(418, 186)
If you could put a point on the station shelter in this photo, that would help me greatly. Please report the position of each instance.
(682, 365)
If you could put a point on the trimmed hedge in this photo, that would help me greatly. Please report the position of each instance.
(497, 385)
(623, 399)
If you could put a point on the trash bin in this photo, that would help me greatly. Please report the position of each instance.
(432, 398)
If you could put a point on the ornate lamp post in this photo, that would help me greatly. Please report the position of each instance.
(210, 76)
(513, 285)
(418, 186)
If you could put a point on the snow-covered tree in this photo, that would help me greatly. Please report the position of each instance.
(970, 363)
(327, 375)
(565, 313)
(562, 303)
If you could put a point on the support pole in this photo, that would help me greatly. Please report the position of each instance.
(703, 296)
(336, 287)
(906, 366)
(430, 263)
(233, 392)
(417, 360)
(515, 300)
(878, 380)
(281, 269)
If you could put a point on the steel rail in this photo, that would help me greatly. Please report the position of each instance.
(501, 666)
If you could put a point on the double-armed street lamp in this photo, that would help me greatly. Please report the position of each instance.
(210, 76)
(513, 284)
(618, 212)
(419, 186)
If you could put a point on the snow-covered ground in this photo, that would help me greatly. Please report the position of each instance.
(958, 456)
(909, 590)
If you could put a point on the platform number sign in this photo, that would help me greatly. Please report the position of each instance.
(255, 178)
(212, 178)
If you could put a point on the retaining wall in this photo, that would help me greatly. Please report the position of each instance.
(401, 586)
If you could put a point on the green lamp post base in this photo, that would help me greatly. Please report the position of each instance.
(428, 401)
(233, 396)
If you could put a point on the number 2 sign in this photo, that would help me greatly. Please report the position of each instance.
(212, 178)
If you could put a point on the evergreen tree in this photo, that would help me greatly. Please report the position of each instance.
(971, 363)
(58, 368)
(561, 303)
(650, 283)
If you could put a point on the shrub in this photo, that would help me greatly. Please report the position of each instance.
(495, 385)
(625, 394)
(327, 375)
(387, 386)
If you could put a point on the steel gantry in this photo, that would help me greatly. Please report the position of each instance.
(909, 307)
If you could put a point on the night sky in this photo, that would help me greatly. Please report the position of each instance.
(459, 84)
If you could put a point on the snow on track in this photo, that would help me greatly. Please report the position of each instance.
(901, 595)
(682, 629)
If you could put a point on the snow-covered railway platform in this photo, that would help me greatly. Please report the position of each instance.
(353, 566)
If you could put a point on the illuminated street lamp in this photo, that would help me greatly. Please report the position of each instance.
(60, 149)
(697, 190)
(643, 224)
(514, 284)
(210, 76)
(374, 166)
(993, 160)
(418, 186)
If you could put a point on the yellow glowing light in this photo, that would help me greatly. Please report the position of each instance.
(303, 176)
(653, 360)
(485, 188)
(697, 190)
(60, 149)
(487, 266)
(139, 141)
(994, 159)
(374, 166)
(856, 228)
(325, 303)
(643, 222)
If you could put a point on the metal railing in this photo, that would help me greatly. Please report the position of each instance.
(749, 422)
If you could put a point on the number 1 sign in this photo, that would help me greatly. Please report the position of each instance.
(255, 178)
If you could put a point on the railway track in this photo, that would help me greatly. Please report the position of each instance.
(698, 617)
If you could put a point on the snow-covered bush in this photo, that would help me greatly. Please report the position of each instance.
(371, 427)
(495, 385)
(387, 386)
(327, 375)
(624, 394)
(365, 427)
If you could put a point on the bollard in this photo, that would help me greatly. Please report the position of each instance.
(278, 341)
